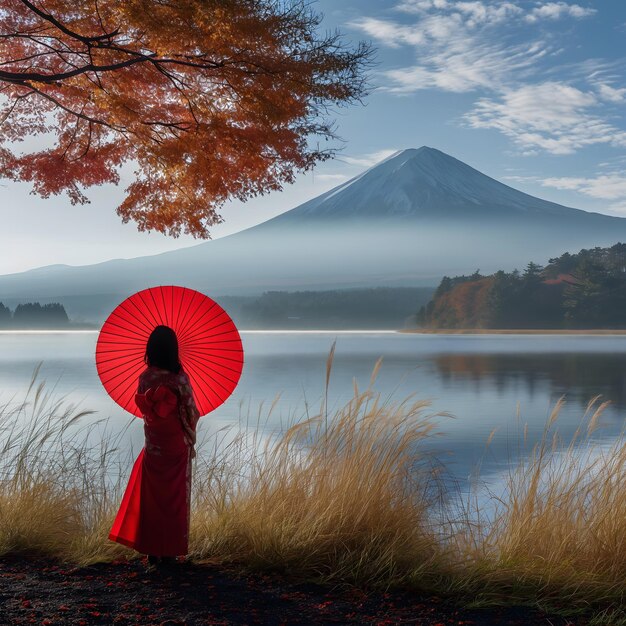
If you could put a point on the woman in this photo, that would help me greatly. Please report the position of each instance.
(153, 517)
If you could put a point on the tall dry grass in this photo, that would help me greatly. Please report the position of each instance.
(349, 495)
(344, 497)
(56, 495)
(559, 529)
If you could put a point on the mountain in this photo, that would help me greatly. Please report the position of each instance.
(406, 221)
(425, 183)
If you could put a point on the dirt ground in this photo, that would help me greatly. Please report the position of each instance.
(44, 592)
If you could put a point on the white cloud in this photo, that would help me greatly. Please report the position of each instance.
(610, 93)
(483, 46)
(463, 66)
(483, 13)
(332, 178)
(455, 45)
(476, 11)
(454, 55)
(483, 10)
(558, 10)
(420, 6)
(516, 178)
(389, 33)
(554, 117)
(367, 160)
(603, 186)
(609, 186)
(431, 30)
(619, 209)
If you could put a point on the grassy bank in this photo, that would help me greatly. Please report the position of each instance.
(349, 496)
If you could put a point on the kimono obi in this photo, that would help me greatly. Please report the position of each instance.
(162, 425)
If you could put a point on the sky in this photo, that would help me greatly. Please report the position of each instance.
(532, 93)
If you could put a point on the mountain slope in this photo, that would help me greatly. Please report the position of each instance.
(407, 221)
(424, 182)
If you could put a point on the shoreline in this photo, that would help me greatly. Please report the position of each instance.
(510, 331)
(242, 331)
(358, 331)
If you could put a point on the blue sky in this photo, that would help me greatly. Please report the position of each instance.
(532, 93)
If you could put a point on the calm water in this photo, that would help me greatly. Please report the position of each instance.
(483, 380)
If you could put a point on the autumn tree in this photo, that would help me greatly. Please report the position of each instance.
(209, 100)
(582, 290)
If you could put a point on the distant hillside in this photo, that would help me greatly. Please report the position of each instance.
(406, 222)
(377, 308)
(577, 291)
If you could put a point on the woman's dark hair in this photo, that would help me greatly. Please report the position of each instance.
(162, 350)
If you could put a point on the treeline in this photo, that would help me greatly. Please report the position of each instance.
(575, 291)
(34, 315)
(381, 307)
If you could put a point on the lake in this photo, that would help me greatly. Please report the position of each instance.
(485, 381)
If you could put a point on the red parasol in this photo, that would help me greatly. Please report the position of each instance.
(209, 345)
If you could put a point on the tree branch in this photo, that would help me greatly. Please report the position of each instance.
(24, 78)
(64, 29)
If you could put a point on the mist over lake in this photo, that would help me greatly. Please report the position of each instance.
(482, 380)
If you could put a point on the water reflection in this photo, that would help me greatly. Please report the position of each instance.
(578, 375)
(481, 380)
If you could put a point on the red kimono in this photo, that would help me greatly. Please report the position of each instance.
(153, 517)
